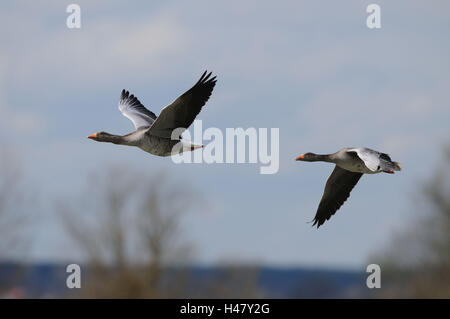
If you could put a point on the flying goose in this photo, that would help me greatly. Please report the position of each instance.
(154, 134)
(351, 164)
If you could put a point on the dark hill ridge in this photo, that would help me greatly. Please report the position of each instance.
(49, 280)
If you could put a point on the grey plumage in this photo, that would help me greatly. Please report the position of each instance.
(133, 109)
(154, 134)
(351, 164)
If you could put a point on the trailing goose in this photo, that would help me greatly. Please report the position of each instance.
(351, 164)
(158, 135)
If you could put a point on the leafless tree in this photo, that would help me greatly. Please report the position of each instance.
(14, 217)
(132, 236)
(12, 208)
(417, 262)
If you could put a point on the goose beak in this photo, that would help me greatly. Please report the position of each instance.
(300, 158)
(93, 136)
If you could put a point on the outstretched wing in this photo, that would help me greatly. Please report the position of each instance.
(182, 112)
(337, 190)
(130, 107)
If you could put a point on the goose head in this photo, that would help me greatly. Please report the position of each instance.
(307, 157)
(101, 137)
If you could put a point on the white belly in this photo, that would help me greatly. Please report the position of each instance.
(357, 167)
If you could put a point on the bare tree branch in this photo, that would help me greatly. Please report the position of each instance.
(135, 237)
(417, 262)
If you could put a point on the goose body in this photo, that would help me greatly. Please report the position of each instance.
(351, 164)
(161, 135)
(149, 143)
(364, 160)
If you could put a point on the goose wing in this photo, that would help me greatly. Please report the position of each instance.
(131, 108)
(337, 190)
(182, 112)
(370, 157)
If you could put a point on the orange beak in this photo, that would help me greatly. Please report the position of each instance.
(301, 157)
(93, 136)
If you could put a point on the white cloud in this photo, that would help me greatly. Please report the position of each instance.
(25, 123)
(16, 121)
(112, 47)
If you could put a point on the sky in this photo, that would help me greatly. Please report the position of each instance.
(313, 70)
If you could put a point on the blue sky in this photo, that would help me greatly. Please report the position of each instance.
(312, 69)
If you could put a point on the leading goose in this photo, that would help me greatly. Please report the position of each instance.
(156, 135)
(351, 164)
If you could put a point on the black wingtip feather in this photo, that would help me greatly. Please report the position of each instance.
(124, 94)
(201, 78)
(204, 78)
(317, 222)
